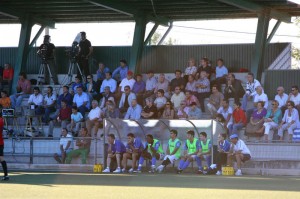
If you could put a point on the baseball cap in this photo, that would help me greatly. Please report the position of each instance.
(233, 136)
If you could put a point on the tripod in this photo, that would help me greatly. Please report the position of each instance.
(68, 79)
(42, 71)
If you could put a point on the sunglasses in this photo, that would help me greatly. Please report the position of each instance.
(168, 104)
(273, 104)
(89, 78)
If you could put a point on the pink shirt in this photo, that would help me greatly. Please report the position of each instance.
(25, 86)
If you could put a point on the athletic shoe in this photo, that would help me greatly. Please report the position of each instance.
(118, 170)
(238, 172)
(152, 170)
(5, 178)
(124, 170)
(137, 171)
(179, 171)
(131, 170)
(219, 173)
(160, 168)
(107, 170)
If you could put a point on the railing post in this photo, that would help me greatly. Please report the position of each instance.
(31, 151)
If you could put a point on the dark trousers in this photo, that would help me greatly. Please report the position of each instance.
(221, 160)
(201, 97)
(84, 66)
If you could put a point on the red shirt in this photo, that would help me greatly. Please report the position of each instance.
(8, 74)
(239, 115)
(1, 130)
(65, 113)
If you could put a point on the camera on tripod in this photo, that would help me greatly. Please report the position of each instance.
(72, 52)
(43, 52)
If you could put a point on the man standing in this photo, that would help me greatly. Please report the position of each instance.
(3, 162)
(115, 151)
(47, 53)
(85, 50)
(173, 151)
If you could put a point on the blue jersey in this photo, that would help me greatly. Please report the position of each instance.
(118, 147)
(137, 144)
(225, 146)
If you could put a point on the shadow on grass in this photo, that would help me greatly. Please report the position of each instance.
(163, 180)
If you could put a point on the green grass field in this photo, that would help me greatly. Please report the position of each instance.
(83, 185)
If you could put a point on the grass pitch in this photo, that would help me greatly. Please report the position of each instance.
(83, 185)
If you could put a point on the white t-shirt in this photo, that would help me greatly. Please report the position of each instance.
(64, 141)
(36, 99)
(241, 146)
(51, 99)
(177, 99)
(94, 113)
(262, 97)
(295, 99)
(127, 82)
(226, 112)
(281, 100)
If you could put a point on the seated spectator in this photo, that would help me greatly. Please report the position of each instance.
(76, 84)
(93, 119)
(150, 84)
(223, 149)
(115, 151)
(203, 89)
(238, 152)
(134, 149)
(111, 112)
(63, 117)
(191, 69)
(194, 112)
(281, 98)
(108, 82)
(4, 100)
(178, 81)
(83, 143)
(149, 111)
(182, 111)
(101, 72)
(238, 118)
(76, 119)
(233, 88)
(204, 152)
(50, 104)
(152, 151)
(191, 85)
(226, 111)
(272, 119)
(107, 95)
(260, 96)
(91, 88)
(190, 150)
(190, 98)
(36, 99)
(82, 101)
(214, 101)
(8, 75)
(173, 151)
(169, 112)
(177, 97)
(204, 66)
(126, 99)
(163, 84)
(120, 73)
(134, 111)
(139, 88)
(65, 96)
(221, 74)
(295, 97)
(23, 91)
(255, 126)
(65, 146)
(250, 90)
(128, 81)
(289, 122)
(160, 102)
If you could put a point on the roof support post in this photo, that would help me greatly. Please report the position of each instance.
(260, 44)
(137, 44)
(275, 28)
(23, 48)
(148, 39)
(166, 33)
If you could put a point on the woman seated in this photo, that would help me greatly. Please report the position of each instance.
(183, 110)
(272, 119)
(168, 111)
(255, 126)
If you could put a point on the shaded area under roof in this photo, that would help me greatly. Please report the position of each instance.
(49, 12)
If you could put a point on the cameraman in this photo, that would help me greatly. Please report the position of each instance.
(85, 50)
(47, 51)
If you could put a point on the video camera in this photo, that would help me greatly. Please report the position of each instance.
(72, 52)
(43, 52)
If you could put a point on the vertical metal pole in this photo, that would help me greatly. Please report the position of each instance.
(95, 150)
(104, 137)
(31, 151)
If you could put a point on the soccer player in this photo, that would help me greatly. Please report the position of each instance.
(3, 162)
(115, 151)
(153, 151)
(134, 149)
(204, 152)
(173, 151)
(191, 149)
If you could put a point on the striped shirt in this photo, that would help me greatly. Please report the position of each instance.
(204, 82)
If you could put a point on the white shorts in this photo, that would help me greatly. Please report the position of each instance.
(172, 158)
